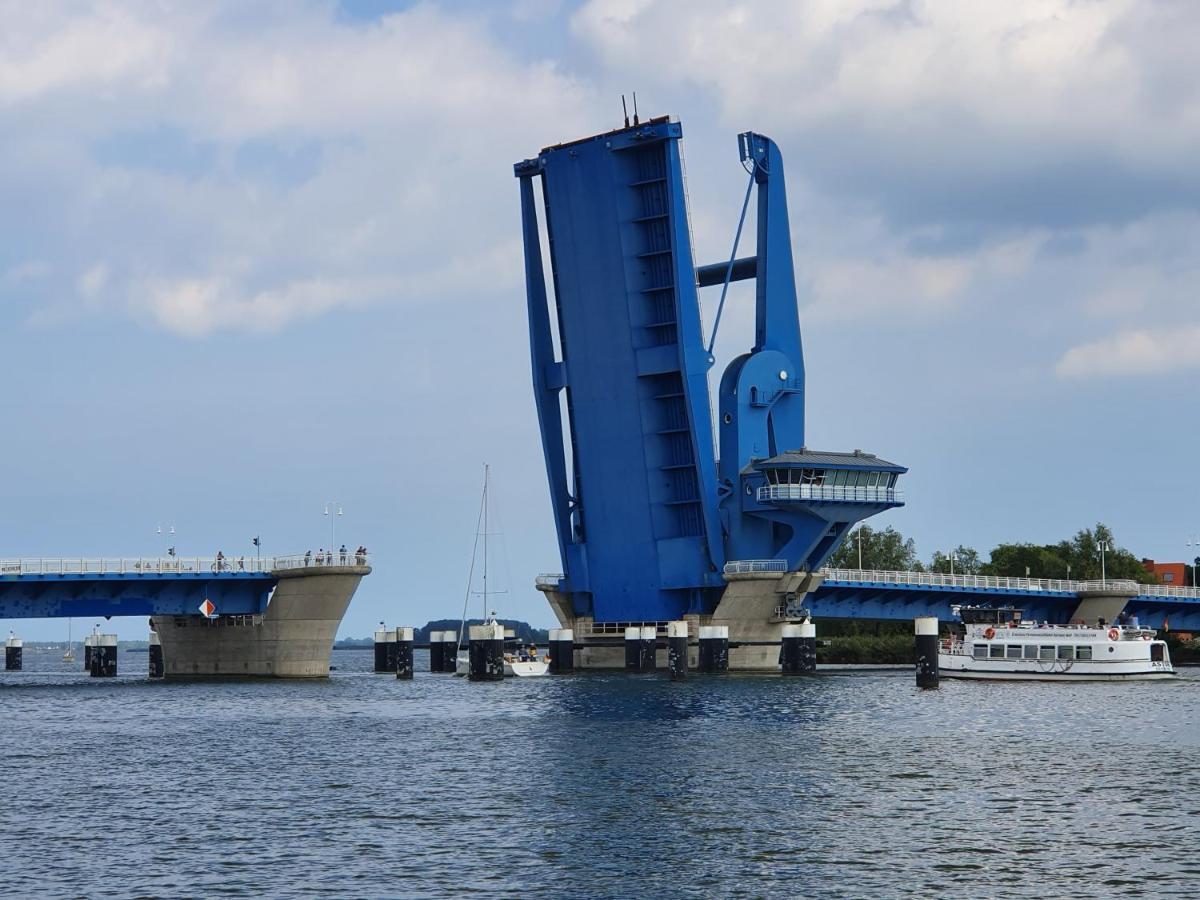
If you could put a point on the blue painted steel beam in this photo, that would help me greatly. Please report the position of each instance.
(94, 595)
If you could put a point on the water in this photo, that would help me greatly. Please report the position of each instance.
(595, 786)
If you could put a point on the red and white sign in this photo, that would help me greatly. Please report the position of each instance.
(208, 609)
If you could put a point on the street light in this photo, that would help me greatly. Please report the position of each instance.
(1194, 541)
(170, 531)
(333, 509)
(1104, 547)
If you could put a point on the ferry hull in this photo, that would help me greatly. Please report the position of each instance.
(1057, 676)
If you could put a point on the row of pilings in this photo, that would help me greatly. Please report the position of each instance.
(484, 658)
(99, 655)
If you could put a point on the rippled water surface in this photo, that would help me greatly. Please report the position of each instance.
(843, 785)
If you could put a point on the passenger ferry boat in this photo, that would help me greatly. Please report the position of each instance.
(997, 643)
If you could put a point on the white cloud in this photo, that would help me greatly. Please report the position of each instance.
(1134, 353)
(407, 128)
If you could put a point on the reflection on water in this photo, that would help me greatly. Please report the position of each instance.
(595, 785)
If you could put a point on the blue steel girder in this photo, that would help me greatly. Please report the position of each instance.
(33, 596)
(636, 516)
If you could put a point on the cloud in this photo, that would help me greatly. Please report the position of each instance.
(241, 168)
(1134, 353)
(1027, 112)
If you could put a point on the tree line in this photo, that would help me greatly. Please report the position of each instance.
(1077, 558)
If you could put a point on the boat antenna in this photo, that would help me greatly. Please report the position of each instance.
(625, 110)
(635, 115)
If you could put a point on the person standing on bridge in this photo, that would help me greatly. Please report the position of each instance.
(342, 554)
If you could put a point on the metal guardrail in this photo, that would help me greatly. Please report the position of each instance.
(175, 565)
(774, 493)
(548, 579)
(1002, 582)
(747, 566)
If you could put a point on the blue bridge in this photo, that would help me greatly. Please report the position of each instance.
(659, 506)
(92, 588)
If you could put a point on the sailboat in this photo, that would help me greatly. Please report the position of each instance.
(525, 664)
(69, 656)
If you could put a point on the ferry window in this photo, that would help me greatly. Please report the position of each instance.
(1083, 652)
(996, 651)
(1045, 653)
(1014, 651)
(1157, 652)
(980, 651)
(1066, 652)
(1030, 651)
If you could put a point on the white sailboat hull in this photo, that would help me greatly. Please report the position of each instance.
(525, 669)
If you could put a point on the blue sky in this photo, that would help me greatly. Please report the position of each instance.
(255, 258)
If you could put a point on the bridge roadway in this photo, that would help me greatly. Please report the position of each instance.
(859, 594)
(87, 588)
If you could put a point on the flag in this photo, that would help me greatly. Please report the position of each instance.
(1166, 623)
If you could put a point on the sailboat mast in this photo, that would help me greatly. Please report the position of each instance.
(485, 539)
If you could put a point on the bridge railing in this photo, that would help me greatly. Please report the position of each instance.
(748, 566)
(172, 565)
(772, 493)
(1003, 582)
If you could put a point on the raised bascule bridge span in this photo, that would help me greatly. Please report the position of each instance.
(672, 501)
(271, 616)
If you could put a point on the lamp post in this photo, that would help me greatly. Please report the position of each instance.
(1194, 541)
(333, 509)
(170, 531)
(858, 540)
(1104, 547)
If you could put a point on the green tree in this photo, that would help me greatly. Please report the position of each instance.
(886, 550)
(966, 561)
(1077, 558)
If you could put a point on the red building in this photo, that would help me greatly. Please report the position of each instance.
(1176, 574)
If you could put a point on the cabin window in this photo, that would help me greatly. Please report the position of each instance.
(1014, 651)
(1083, 652)
(1045, 653)
(1066, 652)
(996, 651)
(980, 651)
(1031, 651)
(1156, 651)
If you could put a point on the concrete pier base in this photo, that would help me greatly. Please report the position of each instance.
(292, 639)
(752, 612)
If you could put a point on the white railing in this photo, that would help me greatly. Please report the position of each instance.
(548, 580)
(172, 565)
(1003, 582)
(774, 493)
(746, 566)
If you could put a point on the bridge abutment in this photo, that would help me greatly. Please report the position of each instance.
(292, 639)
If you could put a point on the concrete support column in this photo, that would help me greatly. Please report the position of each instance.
(714, 649)
(13, 653)
(104, 657)
(677, 650)
(633, 649)
(562, 650)
(647, 651)
(404, 652)
(436, 649)
(450, 651)
(385, 650)
(926, 628)
(155, 653)
(798, 655)
(486, 652)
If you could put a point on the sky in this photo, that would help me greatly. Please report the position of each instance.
(259, 257)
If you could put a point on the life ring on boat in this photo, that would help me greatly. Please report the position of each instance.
(1145, 637)
(990, 633)
(1113, 634)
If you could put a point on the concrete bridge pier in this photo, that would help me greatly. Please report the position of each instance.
(292, 639)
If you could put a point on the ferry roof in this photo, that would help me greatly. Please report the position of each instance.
(825, 459)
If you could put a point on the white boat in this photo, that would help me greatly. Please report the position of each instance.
(997, 643)
(525, 666)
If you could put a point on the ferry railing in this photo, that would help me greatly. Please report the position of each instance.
(772, 493)
(172, 565)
